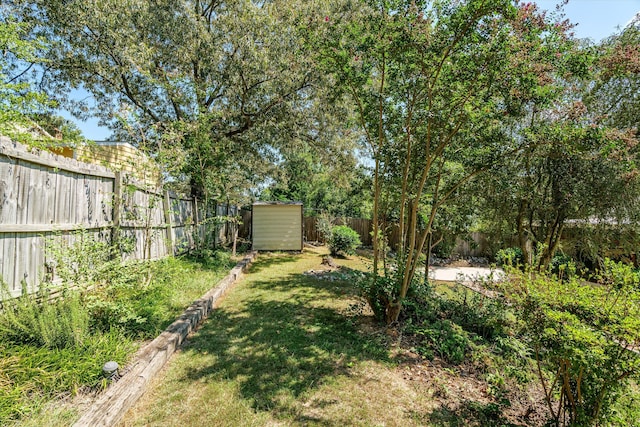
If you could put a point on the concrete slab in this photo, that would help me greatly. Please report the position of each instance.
(464, 274)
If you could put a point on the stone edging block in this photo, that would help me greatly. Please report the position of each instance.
(115, 401)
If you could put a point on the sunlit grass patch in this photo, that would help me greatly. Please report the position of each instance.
(277, 339)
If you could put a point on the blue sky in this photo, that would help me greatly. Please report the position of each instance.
(596, 20)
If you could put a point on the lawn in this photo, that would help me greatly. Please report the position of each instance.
(289, 348)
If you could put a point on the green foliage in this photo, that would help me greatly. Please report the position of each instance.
(461, 326)
(510, 256)
(324, 225)
(60, 324)
(626, 410)
(562, 266)
(59, 346)
(619, 275)
(475, 65)
(445, 247)
(445, 338)
(200, 85)
(54, 124)
(378, 291)
(18, 98)
(344, 240)
(32, 374)
(485, 317)
(323, 183)
(140, 298)
(576, 160)
(618, 79)
(213, 258)
(582, 335)
(81, 258)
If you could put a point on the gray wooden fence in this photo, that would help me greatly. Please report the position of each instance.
(44, 197)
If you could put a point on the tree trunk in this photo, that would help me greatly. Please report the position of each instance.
(392, 312)
(235, 239)
(523, 238)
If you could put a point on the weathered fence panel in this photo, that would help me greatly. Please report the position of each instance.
(40, 195)
(310, 230)
(244, 230)
(363, 226)
(44, 196)
(476, 245)
(183, 220)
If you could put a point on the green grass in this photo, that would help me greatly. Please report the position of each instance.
(281, 348)
(289, 348)
(38, 377)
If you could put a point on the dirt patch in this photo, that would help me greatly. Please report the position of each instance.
(458, 394)
(462, 393)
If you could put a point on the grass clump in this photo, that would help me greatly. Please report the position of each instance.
(61, 324)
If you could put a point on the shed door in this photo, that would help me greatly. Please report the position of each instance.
(277, 227)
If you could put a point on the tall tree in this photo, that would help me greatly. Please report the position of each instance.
(577, 154)
(214, 83)
(338, 187)
(18, 96)
(614, 95)
(563, 173)
(432, 81)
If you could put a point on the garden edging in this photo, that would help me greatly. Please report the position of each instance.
(116, 400)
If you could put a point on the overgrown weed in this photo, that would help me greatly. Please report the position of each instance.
(53, 348)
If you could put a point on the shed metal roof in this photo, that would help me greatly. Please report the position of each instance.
(277, 203)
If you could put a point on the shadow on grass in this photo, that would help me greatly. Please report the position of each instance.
(285, 338)
(470, 413)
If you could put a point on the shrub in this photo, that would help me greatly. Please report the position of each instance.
(63, 323)
(344, 240)
(323, 224)
(581, 336)
(378, 291)
(510, 256)
(563, 266)
(81, 259)
(445, 248)
(213, 258)
(443, 337)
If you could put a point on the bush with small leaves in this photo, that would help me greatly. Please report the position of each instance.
(344, 240)
(510, 257)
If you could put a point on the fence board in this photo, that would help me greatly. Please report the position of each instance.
(8, 259)
(8, 189)
(15, 150)
(49, 196)
(44, 195)
(23, 175)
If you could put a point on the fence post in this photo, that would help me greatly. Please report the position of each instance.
(169, 223)
(195, 235)
(116, 213)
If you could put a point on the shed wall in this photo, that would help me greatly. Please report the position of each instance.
(277, 227)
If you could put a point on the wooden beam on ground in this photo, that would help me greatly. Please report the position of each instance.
(111, 405)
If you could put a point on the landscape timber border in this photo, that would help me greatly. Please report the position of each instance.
(110, 406)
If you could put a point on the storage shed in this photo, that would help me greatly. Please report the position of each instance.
(277, 226)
